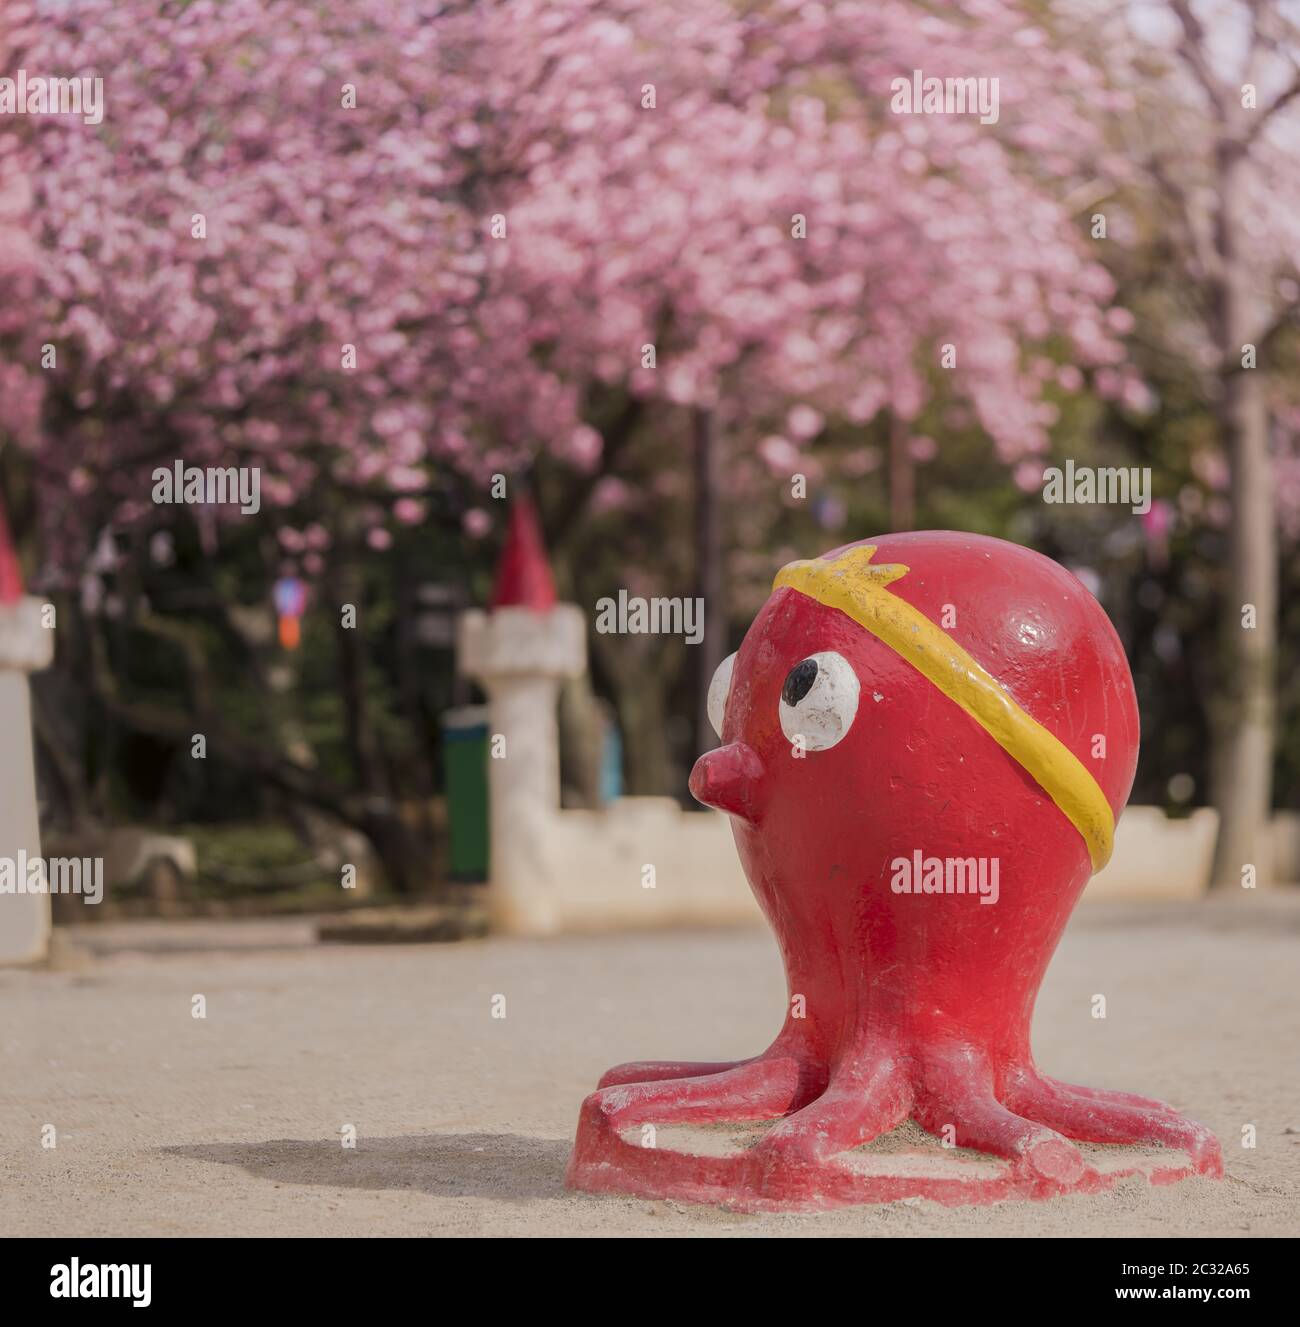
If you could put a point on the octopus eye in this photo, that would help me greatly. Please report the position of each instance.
(819, 700)
(719, 690)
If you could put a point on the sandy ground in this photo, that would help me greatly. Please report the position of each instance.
(230, 1125)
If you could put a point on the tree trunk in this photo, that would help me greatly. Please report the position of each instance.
(582, 744)
(405, 855)
(902, 476)
(345, 588)
(709, 587)
(408, 677)
(1242, 764)
(403, 852)
(1243, 757)
(643, 716)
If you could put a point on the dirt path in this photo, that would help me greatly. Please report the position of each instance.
(168, 1124)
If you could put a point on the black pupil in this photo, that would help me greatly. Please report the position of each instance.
(798, 681)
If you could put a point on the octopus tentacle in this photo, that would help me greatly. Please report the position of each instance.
(862, 1100)
(604, 1161)
(1108, 1118)
(1028, 1078)
(956, 1100)
(756, 1090)
(661, 1071)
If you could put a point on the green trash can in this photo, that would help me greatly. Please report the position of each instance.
(465, 758)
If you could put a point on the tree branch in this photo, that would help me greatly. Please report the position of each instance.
(1204, 253)
(1283, 98)
(1192, 51)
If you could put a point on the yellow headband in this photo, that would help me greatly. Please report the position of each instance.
(851, 584)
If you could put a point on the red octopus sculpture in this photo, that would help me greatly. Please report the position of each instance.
(927, 739)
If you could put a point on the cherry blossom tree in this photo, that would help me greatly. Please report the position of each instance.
(245, 263)
(385, 253)
(277, 184)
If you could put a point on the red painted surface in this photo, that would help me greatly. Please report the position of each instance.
(917, 1006)
(11, 576)
(524, 573)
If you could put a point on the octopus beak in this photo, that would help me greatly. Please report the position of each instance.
(730, 779)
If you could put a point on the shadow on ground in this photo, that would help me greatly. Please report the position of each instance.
(502, 1166)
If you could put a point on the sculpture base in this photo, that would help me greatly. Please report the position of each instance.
(903, 1166)
(1023, 1127)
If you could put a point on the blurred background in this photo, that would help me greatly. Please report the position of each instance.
(695, 283)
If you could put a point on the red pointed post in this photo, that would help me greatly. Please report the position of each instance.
(11, 576)
(524, 577)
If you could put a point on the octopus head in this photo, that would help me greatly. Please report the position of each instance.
(923, 698)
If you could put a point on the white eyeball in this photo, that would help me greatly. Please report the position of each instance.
(719, 690)
(818, 701)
